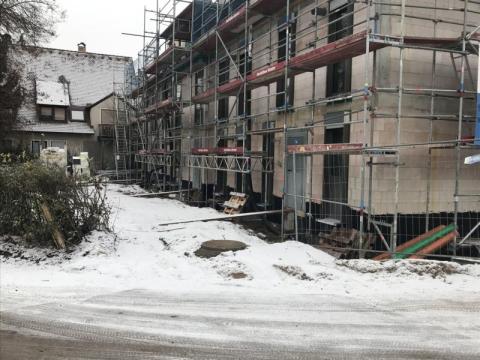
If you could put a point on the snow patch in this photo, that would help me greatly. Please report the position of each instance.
(52, 93)
(433, 269)
(141, 254)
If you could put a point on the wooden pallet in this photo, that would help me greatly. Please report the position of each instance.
(235, 204)
(345, 243)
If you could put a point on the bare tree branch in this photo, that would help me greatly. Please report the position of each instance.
(28, 22)
(33, 21)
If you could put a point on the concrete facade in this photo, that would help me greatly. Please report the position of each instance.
(427, 178)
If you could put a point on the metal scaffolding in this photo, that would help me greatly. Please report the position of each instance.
(163, 63)
(220, 109)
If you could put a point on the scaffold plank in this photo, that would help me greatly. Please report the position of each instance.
(227, 28)
(160, 105)
(230, 87)
(229, 150)
(235, 22)
(219, 150)
(266, 6)
(325, 148)
(203, 151)
(345, 48)
(204, 97)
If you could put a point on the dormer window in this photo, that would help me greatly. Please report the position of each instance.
(52, 99)
(78, 115)
(52, 113)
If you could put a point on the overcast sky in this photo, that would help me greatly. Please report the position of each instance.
(99, 24)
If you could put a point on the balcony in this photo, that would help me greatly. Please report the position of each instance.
(106, 131)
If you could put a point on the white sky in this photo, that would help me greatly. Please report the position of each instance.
(100, 23)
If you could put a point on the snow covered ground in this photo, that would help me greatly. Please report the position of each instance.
(145, 255)
(145, 261)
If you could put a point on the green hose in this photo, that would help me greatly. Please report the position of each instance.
(425, 242)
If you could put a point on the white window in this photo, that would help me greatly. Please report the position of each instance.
(78, 115)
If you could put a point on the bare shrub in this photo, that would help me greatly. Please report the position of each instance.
(77, 208)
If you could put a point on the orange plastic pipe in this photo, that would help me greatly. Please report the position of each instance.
(436, 245)
(387, 255)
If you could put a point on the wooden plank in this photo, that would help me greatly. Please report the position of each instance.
(225, 217)
(57, 235)
(159, 193)
(231, 204)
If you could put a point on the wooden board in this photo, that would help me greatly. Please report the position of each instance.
(235, 204)
(226, 217)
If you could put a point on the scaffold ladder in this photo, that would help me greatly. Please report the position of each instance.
(121, 138)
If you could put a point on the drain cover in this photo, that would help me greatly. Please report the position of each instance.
(213, 248)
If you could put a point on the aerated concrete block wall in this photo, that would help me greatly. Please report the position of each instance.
(415, 177)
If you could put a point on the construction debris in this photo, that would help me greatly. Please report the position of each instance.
(235, 204)
(293, 271)
(280, 158)
(409, 243)
(431, 242)
(342, 243)
(433, 269)
(435, 246)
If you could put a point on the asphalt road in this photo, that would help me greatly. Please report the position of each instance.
(139, 324)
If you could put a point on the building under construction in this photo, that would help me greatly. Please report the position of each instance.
(347, 116)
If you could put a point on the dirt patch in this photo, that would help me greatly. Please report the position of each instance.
(238, 275)
(293, 271)
(231, 269)
(433, 269)
(5, 254)
(15, 249)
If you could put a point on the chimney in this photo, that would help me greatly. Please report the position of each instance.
(82, 48)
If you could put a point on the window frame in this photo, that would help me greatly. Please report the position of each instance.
(223, 109)
(77, 111)
(198, 114)
(40, 147)
(52, 117)
(282, 96)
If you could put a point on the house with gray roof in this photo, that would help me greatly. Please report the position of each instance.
(62, 88)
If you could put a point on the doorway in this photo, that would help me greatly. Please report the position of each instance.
(335, 178)
(296, 179)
